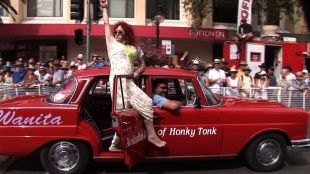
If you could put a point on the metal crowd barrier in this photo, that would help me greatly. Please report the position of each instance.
(291, 98)
(7, 92)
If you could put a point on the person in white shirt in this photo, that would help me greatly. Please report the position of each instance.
(44, 78)
(80, 65)
(290, 76)
(216, 77)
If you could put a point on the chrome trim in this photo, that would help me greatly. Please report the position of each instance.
(82, 91)
(301, 145)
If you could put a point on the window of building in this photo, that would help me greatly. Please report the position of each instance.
(122, 8)
(170, 9)
(225, 11)
(45, 8)
(3, 12)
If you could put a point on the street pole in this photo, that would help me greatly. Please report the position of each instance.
(157, 34)
(88, 29)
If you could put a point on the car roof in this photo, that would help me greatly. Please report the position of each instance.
(148, 71)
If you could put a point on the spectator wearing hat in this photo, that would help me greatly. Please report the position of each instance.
(8, 65)
(58, 75)
(305, 73)
(44, 78)
(233, 83)
(242, 65)
(245, 33)
(272, 78)
(79, 59)
(283, 82)
(19, 72)
(224, 67)
(246, 82)
(299, 83)
(30, 78)
(290, 76)
(65, 69)
(263, 67)
(262, 83)
(195, 65)
(8, 82)
(216, 77)
(96, 62)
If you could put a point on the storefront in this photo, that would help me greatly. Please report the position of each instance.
(53, 40)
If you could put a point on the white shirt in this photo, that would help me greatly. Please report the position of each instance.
(290, 77)
(216, 74)
(79, 67)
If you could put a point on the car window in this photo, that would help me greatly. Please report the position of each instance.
(64, 93)
(210, 97)
(181, 90)
(102, 87)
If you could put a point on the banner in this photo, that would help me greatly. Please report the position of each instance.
(245, 9)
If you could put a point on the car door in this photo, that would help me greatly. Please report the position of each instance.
(128, 123)
(191, 131)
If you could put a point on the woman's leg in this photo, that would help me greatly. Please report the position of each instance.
(152, 136)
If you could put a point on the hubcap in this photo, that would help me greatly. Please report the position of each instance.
(64, 156)
(268, 152)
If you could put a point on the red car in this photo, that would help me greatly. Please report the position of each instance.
(76, 123)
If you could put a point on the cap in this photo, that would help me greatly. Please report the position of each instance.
(95, 55)
(263, 65)
(31, 67)
(246, 69)
(262, 73)
(216, 61)
(18, 62)
(305, 71)
(31, 60)
(80, 56)
(233, 69)
(42, 68)
(209, 65)
(224, 61)
(243, 63)
(196, 62)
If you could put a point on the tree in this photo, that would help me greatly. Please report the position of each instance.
(273, 8)
(6, 5)
(198, 9)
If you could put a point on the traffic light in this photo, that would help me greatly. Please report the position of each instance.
(97, 10)
(77, 10)
(78, 36)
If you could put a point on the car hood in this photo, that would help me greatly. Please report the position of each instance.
(24, 101)
(250, 103)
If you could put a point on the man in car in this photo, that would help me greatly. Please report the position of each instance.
(159, 96)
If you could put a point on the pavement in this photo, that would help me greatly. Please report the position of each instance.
(3, 159)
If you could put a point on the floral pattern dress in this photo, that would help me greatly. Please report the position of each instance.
(121, 64)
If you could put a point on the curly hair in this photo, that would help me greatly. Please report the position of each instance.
(129, 36)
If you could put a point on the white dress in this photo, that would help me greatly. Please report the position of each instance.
(233, 83)
(121, 65)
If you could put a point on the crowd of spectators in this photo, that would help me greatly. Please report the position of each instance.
(22, 73)
(238, 82)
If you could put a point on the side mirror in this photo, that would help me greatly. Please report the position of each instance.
(197, 103)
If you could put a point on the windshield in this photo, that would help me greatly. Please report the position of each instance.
(211, 99)
(64, 93)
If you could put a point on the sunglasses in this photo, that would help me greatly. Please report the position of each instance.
(163, 87)
(118, 32)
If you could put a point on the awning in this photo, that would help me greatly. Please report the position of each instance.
(35, 30)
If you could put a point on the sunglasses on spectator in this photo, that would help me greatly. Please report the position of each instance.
(118, 32)
(163, 87)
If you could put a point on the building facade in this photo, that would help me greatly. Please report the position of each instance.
(43, 28)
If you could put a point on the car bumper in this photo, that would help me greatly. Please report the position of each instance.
(301, 145)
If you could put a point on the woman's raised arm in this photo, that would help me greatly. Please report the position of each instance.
(105, 16)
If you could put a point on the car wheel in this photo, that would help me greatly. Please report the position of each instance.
(65, 157)
(266, 153)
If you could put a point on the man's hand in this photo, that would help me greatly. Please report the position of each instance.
(136, 74)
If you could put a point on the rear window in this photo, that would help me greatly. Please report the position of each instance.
(64, 93)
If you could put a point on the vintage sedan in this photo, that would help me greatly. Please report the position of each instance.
(76, 123)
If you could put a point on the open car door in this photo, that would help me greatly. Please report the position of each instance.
(128, 122)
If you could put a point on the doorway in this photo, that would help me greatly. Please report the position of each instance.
(273, 58)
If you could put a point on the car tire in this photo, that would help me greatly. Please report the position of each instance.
(266, 153)
(65, 157)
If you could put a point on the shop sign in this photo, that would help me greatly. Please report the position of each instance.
(212, 34)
